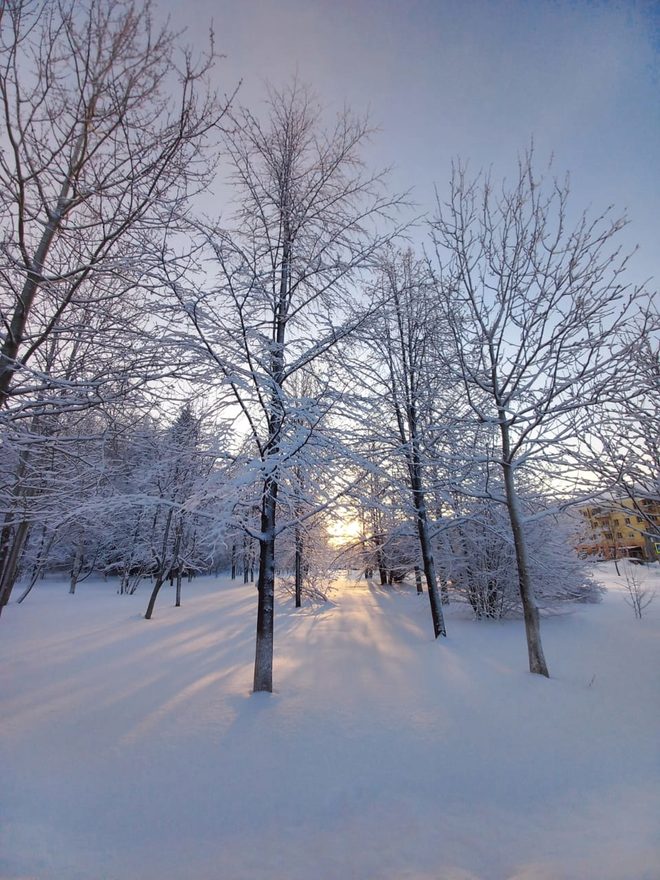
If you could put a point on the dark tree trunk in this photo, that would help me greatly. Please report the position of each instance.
(246, 561)
(11, 562)
(40, 562)
(299, 559)
(162, 569)
(406, 395)
(537, 662)
(419, 502)
(418, 579)
(380, 559)
(263, 661)
(160, 580)
(76, 568)
(9, 361)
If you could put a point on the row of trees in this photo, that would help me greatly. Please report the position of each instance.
(113, 501)
(447, 395)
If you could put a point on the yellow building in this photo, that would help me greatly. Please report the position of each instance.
(621, 527)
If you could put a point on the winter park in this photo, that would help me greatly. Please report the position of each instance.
(329, 464)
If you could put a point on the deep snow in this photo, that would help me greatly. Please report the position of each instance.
(133, 750)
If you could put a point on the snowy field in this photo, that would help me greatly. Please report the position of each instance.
(133, 750)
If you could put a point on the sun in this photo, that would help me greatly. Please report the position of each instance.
(343, 529)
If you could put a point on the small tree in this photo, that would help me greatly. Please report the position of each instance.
(639, 596)
(177, 470)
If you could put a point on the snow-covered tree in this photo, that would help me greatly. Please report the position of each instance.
(621, 443)
(104, 136)
(105, 125)
(538, 310)
(303, 234)
(399, 380)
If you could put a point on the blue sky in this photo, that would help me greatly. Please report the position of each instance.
(475, 79)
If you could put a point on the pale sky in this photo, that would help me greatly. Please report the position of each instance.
(475, 79)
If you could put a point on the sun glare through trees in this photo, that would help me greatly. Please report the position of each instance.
(299, 400)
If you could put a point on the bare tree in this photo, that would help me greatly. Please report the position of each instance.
(639, 596)
(304, 234)
(179, 469)
(537, 310)
(622, 445)
(398, 342)
(105, 131)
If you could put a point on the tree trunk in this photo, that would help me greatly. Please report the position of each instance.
(418, 579)
(537, 662)
(34, 277)
(16, 331)
(299, 558)
(10, 567)
(177, 603)
(35, 577)
(162, 569)
(246, 562)
(40, 562)
(380, 559)
(419, 503)
(76, 568)
(263, 660)
(435, 601)
(408, 422)
(12, 538)
(160, 580)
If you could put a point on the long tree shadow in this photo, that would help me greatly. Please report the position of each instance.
(153, 667)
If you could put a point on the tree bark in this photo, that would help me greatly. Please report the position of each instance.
(160, 580)
(246, 561)
(10, 567)
(299, 559)
(537, 662)
(76, 568)
(263, 661)
(16, 330)
(162, 568)
(439, 628)
(419, 503)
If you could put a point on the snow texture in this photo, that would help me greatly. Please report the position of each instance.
(133, 748)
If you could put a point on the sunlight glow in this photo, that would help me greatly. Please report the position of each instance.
(343, 530)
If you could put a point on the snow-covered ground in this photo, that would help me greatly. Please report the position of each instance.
(133, 750)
